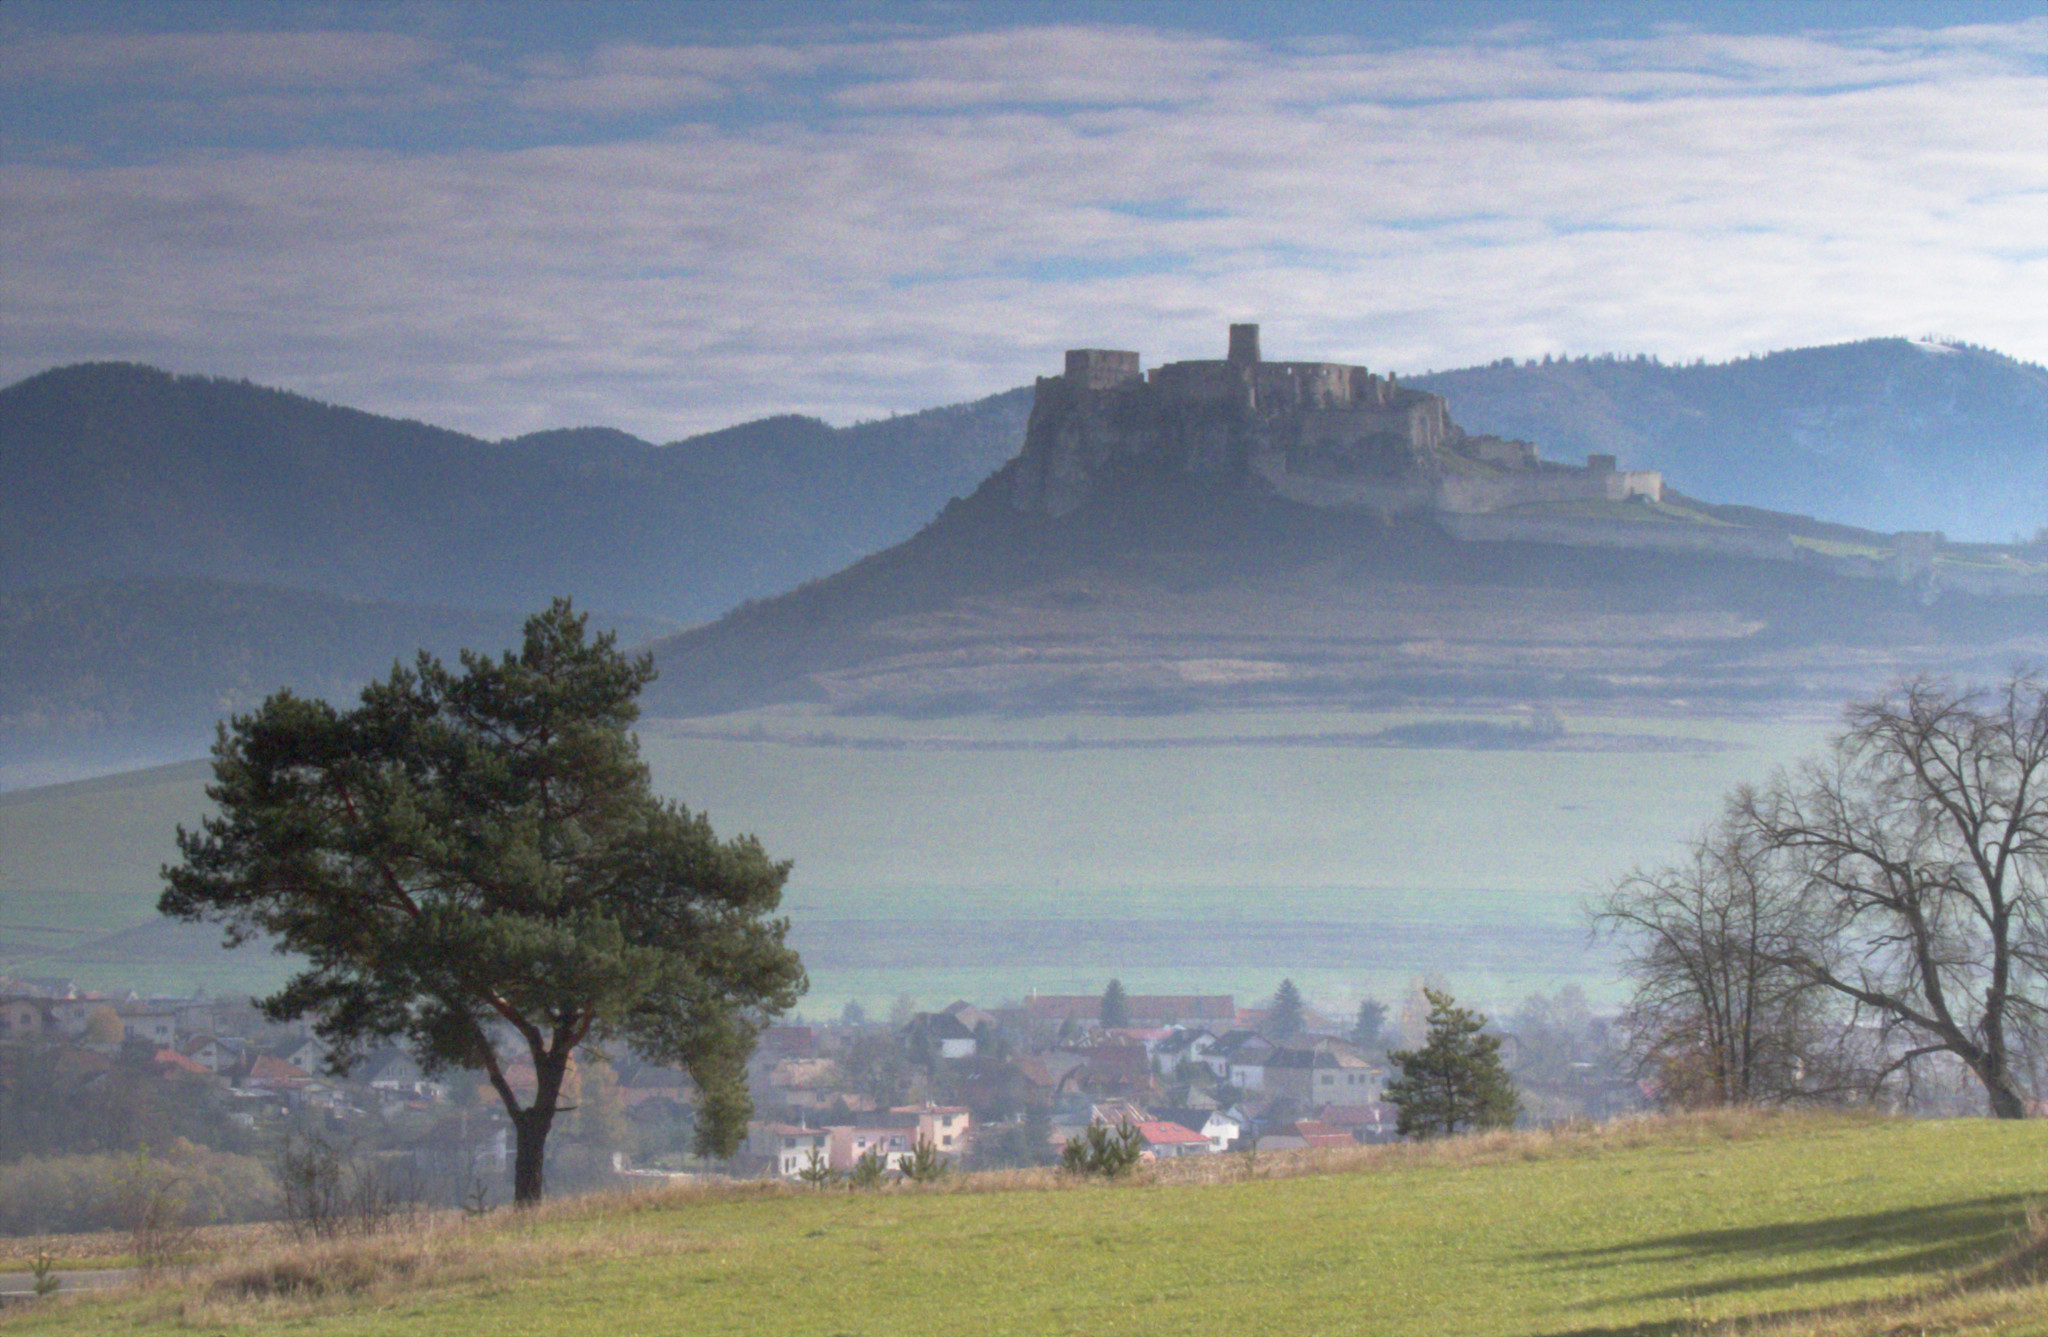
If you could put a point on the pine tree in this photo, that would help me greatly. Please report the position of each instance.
(1365, 1032)
(475, 865)
(1116, 1007)
(1284, 1021)
(1455, 1083)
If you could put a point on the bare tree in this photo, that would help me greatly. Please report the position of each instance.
(1919, 852)
(1720, 1015)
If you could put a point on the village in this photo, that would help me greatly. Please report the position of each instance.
(976, 1088)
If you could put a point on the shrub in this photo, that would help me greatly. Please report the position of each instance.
(327, 1192)
(867, 1170)
(1102, 1152)
(922, 1165)
(63, 1194)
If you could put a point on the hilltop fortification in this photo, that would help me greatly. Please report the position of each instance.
(1321, 433)
(1339, 437)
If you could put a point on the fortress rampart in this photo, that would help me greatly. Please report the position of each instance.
(1321, 433)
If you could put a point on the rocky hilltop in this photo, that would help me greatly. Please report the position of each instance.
(1337, 437)
(1236, 531)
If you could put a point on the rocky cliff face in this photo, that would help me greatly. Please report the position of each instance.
(1316, 432)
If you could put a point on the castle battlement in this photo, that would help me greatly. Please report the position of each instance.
(1324, 434)
(1239, 420)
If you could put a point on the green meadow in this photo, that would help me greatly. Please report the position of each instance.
(989, 858)
(1640, 1228)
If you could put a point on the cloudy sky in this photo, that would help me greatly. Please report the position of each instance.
(671, 218)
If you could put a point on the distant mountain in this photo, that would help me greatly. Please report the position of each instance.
(114, 471)
(1888, 434)
(145, 666)
(173, 546)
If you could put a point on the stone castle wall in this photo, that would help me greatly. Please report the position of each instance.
(1474, 494)
(1321, 432)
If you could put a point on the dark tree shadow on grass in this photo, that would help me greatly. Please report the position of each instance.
(1908, 1241)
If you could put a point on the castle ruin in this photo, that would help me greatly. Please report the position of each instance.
(1319, 433)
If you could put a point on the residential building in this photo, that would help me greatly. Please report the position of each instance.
(783, 1150)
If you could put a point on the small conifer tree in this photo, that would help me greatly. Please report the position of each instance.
(1365, 1032)
(1455, 1083)
(1116, 1006)
(1285, 1020)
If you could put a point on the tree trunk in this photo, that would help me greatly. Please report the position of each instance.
(2006, 1101)
(530, 1127)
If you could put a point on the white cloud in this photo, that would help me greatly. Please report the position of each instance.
(956, 210)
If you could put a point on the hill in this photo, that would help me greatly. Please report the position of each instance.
(1716, 1224)
(1239, 530)
(1173, 596)
(116, 477)
(1887, 434)
(114, 471)
(120, 670)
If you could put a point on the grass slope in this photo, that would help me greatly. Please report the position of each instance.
(1642, 1228)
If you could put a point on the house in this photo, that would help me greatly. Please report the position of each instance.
(24, 1018)
(1117, 1066)
(160, 1028)
(999, 1083)
(1328, 1073)
(1184, 1044)
(212, 1053)
(1116, 1113)
(1215, 1126)
(73, 1015)
(1148, 1037)
(397, 1073)
(309, 1053)
(1247, 1063)
(196, 1016)
(783, 1150)
(848, 1143)
(944, 1126)
(1369, 1123)
(1167, 1141)
(1314, 1133)
(169, 1061)
(970, 1016)
(947, 1036)
(262, 1072)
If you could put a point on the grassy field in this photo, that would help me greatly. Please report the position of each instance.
(1642, 1228)
(985, 858)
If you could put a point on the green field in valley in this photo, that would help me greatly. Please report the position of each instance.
(988, 858)
(1641, 1228)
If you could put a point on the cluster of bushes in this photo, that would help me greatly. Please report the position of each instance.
(185, 1183)
(51, 1109)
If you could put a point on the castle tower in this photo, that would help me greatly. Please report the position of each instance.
(1244, 345)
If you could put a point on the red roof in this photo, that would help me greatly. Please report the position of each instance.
(1358, 1116)
(1318, 1134)
(171, 1058)
(266, 1068)
(1172, 1134)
